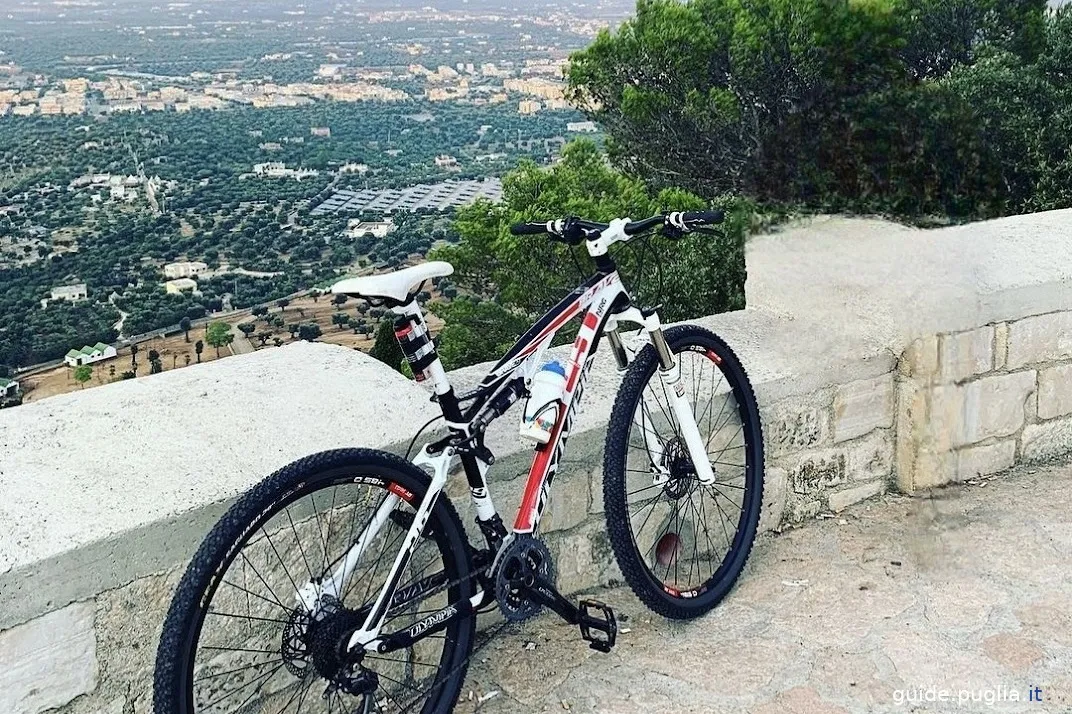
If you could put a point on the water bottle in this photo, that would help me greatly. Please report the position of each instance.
(545, 400)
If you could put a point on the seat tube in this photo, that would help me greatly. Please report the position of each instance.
(434, 369)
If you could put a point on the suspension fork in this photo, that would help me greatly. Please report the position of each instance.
(670, 373)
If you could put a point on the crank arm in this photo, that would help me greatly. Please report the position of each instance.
(539, 590)
(542, 591)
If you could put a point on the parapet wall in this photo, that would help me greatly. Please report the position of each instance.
(882, 358)
(978, 401)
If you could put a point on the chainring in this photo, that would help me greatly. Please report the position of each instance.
(522, 557)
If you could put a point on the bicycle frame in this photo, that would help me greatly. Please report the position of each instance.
(603, 301)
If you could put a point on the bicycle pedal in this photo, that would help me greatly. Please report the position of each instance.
(603, 621)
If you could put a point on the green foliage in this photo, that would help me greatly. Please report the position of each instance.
(913, 107)
(83, 374)
(46, 334)
(386, 348)
(476, 330)
(517, 278)
(218, 335)
(309, 331)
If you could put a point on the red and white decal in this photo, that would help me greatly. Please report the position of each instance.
(545, 465)
(400, 492)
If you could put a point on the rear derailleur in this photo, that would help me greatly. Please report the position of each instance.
(524, 585)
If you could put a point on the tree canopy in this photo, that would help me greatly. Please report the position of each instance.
(913, 107)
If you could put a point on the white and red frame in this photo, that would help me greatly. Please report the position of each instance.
(603, 301)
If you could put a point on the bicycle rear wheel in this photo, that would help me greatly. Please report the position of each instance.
(681, 544)
(236, 639)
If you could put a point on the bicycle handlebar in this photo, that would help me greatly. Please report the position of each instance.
(529, 229)
(574, 230)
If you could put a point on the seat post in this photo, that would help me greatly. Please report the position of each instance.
(434, 369)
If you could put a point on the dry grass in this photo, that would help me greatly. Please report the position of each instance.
(173, 351)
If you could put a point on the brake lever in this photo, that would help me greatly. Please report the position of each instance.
(672, 232)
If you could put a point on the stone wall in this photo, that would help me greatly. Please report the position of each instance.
(975, 402)
(882, 358)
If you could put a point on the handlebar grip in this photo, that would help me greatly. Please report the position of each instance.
(705, 217)
(528, 229)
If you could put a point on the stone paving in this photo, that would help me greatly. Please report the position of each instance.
(879, 609)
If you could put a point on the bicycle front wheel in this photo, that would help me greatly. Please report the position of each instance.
(237, 639)
(681, 544)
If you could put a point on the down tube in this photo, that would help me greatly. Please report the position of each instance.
(545, 464)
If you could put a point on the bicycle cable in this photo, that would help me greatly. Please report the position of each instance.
(420, 431)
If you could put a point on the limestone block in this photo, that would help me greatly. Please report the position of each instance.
(871, 457)
(841, 500)
(1001, 345)
(583, 558)
(794, 425)
(47, 662)
(1043, 338)
(802, 510)
(912, 410)
(568, 505)
(775, 483)
(983, 460)
(129, 620)
(1055, 392)
(862, 406)
(965, 354)
(1046, 441)
(931, 468)
(595, 490)
(920, 359)
(818, 471)
(989, 407)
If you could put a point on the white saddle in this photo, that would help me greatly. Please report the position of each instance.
(396, 286)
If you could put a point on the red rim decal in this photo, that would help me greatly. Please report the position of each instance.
(400, 492)
(713, 357)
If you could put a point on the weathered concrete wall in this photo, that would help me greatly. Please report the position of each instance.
(882, 358)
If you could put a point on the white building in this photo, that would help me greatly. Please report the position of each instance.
(181, 285)
(277, 169)
(583, 127)
(184, 270)
(89, 355)
(9, 389)
(70, 292)
(378, 229)
(447, 162)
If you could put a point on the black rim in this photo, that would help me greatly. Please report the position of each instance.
(687, 534)
(251, 643)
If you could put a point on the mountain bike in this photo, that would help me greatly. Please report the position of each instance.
(346, 581)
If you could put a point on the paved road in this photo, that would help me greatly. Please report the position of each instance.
(240, 345)
(969, 589)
